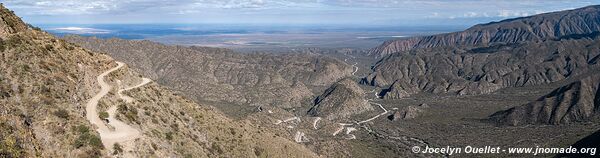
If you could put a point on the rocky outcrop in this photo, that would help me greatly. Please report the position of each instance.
(535, 28)
(484, 70)
(575, 102)
(399, 90)
(220, 75)
(341, 100)
(10, 23)
(408, 112)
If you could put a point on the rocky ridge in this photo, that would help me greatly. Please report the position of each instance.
(575, 102)
(484, 70)
(536, 28)
(220, 75)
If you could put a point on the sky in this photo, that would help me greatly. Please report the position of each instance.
(284, 12)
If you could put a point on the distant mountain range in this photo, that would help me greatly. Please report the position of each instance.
(537, 28)
(527, 51)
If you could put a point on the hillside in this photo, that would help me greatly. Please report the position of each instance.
(46, 84)
(484, 70)
(223, 76)
(340, 101)
(537, 28)
(576, 102)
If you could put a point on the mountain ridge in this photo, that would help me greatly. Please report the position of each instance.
(221, 75)
(539, 27)
(577, 101)
(45, 83)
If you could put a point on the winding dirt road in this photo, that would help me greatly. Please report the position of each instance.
(92, 104)
(127, 98)
(385, 111)
(355, 69)
(316, 121)
(120, 132)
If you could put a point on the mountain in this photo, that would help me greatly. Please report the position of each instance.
(60, 100)
(341, 100)
(398, 90)
(484, 70)
(576, 102)
(537, 28)
(11, 23)
(286, 80)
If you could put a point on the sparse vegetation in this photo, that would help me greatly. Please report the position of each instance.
(131, 113)
(87, 139)
(103, 115)
(34, 27)
(258, 151)
(62, 113)
(169, 135)
(214, 148)
(117, 149)
(2, 47)
(48, 47)
(9, 147)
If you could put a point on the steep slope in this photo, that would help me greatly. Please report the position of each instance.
(341, 100)
(575, 102)
(45, 84)
(484, 70)
(399, 90)
(10, 23)
(535, 28)
(219, 75)
(591, 141)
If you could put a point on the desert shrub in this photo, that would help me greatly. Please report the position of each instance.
(2, 47)
(122, 108)
(103, 115)
(169, 135)
(10, 147)
(117, 149)
(62, 113)
(154, 146)
(87, 139)
(258, 151)
(96, 142)
(34, 27)
(216, 149)
(129, 112)
(82, 129)
(81, 141)
(25, 68)
(48, 47)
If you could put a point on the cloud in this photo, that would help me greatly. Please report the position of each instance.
(471, 14)
(80, 30)
(513, 13)
(62, 7)
(278, 11)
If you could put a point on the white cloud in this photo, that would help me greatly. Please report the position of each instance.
(80, 30)
(471, 14)
(514, 13)
(360, 11)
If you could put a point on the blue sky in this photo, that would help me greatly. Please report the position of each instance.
(292, 12)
